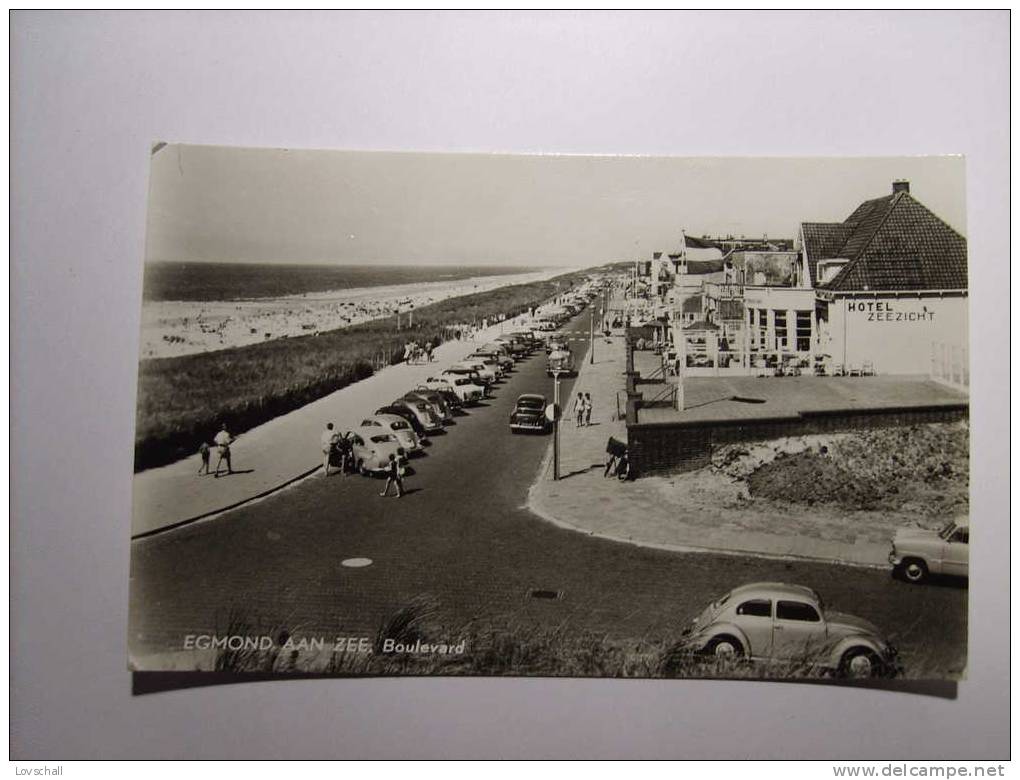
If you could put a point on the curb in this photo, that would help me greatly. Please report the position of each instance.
(235, 505)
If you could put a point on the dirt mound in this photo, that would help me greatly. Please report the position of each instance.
(924, 467)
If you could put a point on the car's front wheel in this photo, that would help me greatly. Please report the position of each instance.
(361, 468)
(860, 663)
(914, 570)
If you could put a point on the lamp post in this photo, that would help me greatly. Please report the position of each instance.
(556, 425)
(591, 335)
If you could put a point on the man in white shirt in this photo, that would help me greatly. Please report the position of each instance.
(328, 441)
(223, 440)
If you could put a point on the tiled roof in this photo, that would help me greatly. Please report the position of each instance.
(892, 243)
(823, 240)
(701, 325)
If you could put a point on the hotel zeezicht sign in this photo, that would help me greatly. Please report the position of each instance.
(886, 311)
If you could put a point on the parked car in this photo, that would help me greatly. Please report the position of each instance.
(495, 352)
(917, 552)
(371, 448)
(470, 373)
(399, 427)
(487, 363)
(430, 421)
(778, 622)
(435, 403)
(561, 361)
(529, 414)
(404, 411)
(488, 374)
(463, 386)
(444, 391)
(518, 349)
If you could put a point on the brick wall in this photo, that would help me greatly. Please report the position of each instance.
(657, 448)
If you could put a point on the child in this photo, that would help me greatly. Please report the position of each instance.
(203, 450)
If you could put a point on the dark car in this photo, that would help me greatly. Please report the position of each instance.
(529, 414)
(423, 410)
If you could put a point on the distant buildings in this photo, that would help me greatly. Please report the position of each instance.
(884, 291)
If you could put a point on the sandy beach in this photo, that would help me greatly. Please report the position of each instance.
(174, 328)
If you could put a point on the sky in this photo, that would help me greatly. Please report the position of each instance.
(230, 204)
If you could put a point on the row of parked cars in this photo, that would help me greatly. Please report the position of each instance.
(402, 427)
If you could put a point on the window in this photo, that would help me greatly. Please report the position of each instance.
(796, 610)
(756, 608)
(781, 329)
(960, 535)
(803, 331)
(763, 327)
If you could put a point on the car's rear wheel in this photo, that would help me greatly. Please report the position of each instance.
(724, 647)
(860, 663)
(914, 570)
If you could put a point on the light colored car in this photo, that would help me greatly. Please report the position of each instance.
(487, 373)
(372, 447)
(463, 386)
(423, 412)
(470, 373)
(917, 552)
(778, 622)
(561, 362)
(485, 361)
(399, 427)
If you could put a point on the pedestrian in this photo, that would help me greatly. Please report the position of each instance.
(587, 409)
(579, 410)
(428, 351)
(343, 448)
(223, 440)
(394, 477)
(203, 450)
(328, 440)
(623, 467)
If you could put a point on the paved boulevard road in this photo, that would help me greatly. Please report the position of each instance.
(462, 536)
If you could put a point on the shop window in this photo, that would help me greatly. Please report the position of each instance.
(804, 331)
(781, 330)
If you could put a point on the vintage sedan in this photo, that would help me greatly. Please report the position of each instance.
(467, 391)
(423, 411)
(778, 622)
(529, 414)
(399, 427)
(371, 448)
(917, 552)
(470, 373)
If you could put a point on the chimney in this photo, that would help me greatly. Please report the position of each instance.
(901, 185)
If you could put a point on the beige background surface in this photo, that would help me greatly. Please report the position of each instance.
(91, 91)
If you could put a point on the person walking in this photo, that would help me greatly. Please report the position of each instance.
(394, 477)
(223, 440)
(343, 446)
(579, 410)
(203, 450)
(587, 409)
(328, 440)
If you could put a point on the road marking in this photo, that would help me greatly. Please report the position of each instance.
(356, 563)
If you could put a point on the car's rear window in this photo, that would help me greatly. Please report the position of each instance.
(382, 437)
(399, 425)
(796, 610)
(530, 403)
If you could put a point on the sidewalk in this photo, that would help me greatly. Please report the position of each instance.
(281, 451)
(650, 512)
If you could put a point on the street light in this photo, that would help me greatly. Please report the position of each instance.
(553, 413)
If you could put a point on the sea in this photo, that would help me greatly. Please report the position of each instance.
(191, 281)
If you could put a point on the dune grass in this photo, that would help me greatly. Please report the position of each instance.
(519, 650)
(182, 400)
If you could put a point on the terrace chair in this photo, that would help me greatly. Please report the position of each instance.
(838, 369)
(855, 369)
(868, 369)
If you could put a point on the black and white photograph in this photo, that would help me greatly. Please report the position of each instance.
(440, 414)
